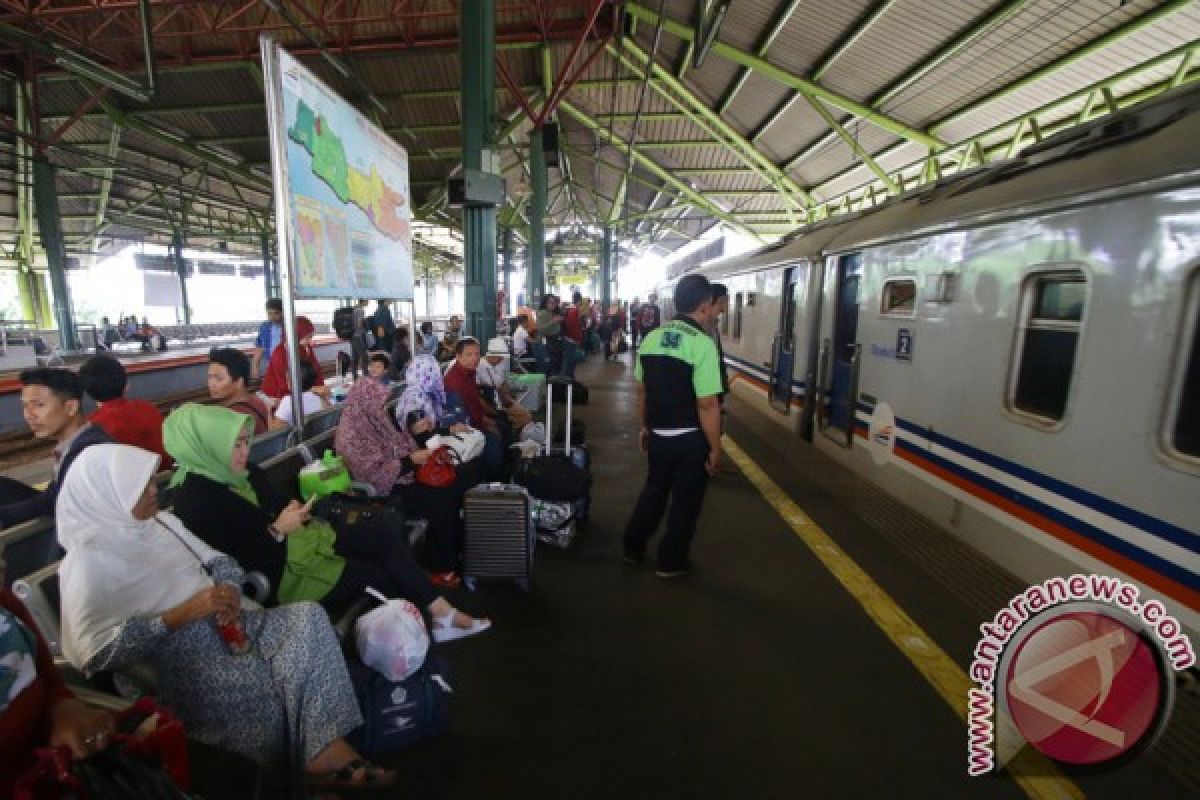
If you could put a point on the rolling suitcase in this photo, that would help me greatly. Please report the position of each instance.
(578, 453)
(500, 534)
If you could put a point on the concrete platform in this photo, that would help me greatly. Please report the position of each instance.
(756, 677)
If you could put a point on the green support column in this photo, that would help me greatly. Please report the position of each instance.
(181, 270)
(535, 270)
(508, 254)
(270, 272)
(606, 250)
(45, 201)
(35, 300)
(478, 57)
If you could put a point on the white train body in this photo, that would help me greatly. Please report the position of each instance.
(1012, 353)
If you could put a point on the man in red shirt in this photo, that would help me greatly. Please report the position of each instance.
(460, 379)
(133, 422)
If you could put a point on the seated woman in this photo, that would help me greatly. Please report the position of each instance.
(36, 707)
(234, 509)
(138, 587)
(387, 456)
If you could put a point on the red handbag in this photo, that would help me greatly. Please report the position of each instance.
(438, 470)
(53, 773)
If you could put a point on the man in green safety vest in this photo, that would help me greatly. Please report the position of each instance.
(679, 384)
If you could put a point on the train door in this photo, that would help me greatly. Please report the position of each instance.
(842, 354)
(783, 348)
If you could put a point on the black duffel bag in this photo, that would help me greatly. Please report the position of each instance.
(553, 478)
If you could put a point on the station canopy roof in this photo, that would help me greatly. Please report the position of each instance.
(675, 115)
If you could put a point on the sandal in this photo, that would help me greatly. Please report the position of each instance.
(372, 777)
(444, 629)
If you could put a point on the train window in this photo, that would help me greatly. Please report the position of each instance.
(1049, 336)
(1185, 430)
(737, 317)
(725, 321)
(899, 298)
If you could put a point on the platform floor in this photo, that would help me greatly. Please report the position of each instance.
(758, 676)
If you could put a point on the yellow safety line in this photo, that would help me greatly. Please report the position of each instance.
(1035, 774)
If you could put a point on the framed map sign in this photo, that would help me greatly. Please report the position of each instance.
(346, 208)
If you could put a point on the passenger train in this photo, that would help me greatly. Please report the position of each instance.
(1014, 352)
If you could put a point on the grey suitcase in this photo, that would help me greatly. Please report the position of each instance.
(500, 534)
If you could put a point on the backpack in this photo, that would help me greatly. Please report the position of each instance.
(397, 714)
(343, 323)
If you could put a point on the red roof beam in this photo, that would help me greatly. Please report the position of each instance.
(567, 78)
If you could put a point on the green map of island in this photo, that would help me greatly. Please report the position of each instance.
(381, 203)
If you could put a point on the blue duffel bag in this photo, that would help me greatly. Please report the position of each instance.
(396, 715)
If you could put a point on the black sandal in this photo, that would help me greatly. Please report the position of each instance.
(373, 777)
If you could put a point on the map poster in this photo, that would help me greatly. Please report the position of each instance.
(348, 204)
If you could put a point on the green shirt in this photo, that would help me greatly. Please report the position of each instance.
(678, 364)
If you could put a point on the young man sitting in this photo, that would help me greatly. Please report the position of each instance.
(133, 422)
(228, 371)
(52, 403)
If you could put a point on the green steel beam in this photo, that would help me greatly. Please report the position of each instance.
(106, 180)
(664, 174)
(785, 78)
(647, 117)
(853, 144)
(977, 28)
(1112, 37)
(780, 22)
(712, 123)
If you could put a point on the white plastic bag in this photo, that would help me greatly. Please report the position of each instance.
(392, 639)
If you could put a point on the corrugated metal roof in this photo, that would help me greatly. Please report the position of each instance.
(420, 88)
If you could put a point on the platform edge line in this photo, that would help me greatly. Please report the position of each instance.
(1035, 774)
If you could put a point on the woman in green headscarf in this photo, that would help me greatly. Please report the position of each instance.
(234, 509)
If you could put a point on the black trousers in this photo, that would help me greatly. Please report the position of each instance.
(439, 507)
(358, 354)
(676, 473)
(382, 562)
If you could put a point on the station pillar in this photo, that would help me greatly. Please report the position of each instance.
(177, 245)
(478, 57)
(45, 201)
(35, 302)
(270, 269)
(507, 250)
(606, 252)
(535, 269)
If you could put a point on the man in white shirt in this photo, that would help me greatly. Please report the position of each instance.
(310, 402)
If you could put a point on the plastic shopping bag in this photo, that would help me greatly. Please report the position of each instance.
(392, 639)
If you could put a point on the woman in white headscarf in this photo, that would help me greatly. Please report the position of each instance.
(138, 588)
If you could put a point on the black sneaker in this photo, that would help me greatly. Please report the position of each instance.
(678, 572)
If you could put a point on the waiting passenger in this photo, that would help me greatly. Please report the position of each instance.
(378, 366)
(385, 456)
(138, 587)
(310, 402)
(383, 326)
(461, 380)
(38, 709)
(52, 403)
(401, 355)
(521, 337)
(427, 343)
(275, 384)
(228, 374)
(136, 423)
(492, 377)
(270, 336)
(423, 391)
(232, 506)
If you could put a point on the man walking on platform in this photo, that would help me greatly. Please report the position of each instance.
(679, 381)
(270, 336)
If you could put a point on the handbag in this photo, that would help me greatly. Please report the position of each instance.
(466, 446)
(150, 767)
(370, 516)
(438, 470)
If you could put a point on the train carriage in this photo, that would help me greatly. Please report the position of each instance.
(1014, 352)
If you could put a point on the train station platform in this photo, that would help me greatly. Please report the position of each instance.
(785, 666)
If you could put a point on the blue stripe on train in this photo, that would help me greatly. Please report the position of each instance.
(1115, 543)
